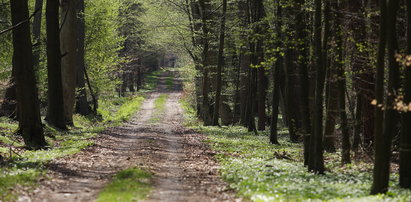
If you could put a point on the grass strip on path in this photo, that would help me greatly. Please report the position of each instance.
(128, 185)
(261, 171)
(159, 108)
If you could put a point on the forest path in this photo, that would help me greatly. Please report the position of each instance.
(182, 165)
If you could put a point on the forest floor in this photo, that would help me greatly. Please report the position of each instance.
(182, 165)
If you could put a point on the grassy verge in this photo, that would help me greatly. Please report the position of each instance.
(263, 172)
(159, 108)
(23, 167)
(121, 109)
(127, 185)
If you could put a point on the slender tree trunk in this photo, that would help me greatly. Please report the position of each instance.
(382, 142)
(316, 160)
(331, 111)
(380, 185)
(346, 146)
(206, 112)
(276, 76)
(405, 145)
(55, 111)
(332, 86)
(302, 37)
(259, 54)
(30, 124)
(357, 123)
(36, 33)
(220, 64)
(82, 106)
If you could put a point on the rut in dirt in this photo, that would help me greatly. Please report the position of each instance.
(183, 166)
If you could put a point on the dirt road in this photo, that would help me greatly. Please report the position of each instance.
(182, 165)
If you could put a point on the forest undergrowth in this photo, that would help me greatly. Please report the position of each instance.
(261, 171)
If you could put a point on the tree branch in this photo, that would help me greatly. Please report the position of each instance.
(20, 23)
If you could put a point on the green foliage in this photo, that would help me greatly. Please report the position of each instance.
(128, 185)
(103, 42)
(22, 177)
(166, 27)
(188, 75)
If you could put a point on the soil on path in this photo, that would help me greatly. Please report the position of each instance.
(183, 166)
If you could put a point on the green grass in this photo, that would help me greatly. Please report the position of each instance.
(260, 171)
(120, 110)
(151, 81)
(127, 185)
(25, 178)
(170, 83)
(159, 108)
(24, 167)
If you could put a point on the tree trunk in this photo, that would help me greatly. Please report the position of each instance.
(357, 123)
(30, 124)
(206, 111)
(380, 183)
(276, 77)
(383, 139)
(220, 64)
(55, 111)
(302, 37)
(331, 111)
(315, 159)
(405, 145)
(259, 54)
(346, 146)
(332, 84)
(69, 61)
(36, 33)
(82, 106)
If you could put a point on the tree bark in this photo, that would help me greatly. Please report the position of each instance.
(36, 33)
(220, 64)
(405, 145)
(69, 61)
(206, 111)
(346, 146)
(82, 106)
(276, 77)
(316, 160)
(55, 111)
(302, 58)
(30, 124)
(383, 139)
